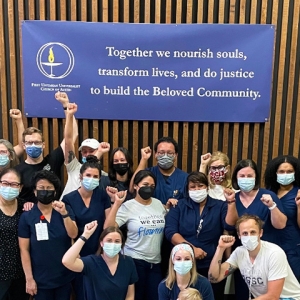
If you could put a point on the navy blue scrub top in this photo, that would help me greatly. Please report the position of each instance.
(83, 215)
(46, 256)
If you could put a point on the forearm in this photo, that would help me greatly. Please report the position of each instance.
(20, 129)
(26, 264)
(278, 219)
(178, 239)
(215, 266)
(298, 216)
(203, 168)
(232, 214)
(70, 257)
(111, 217)
(266, 296)
(71, 228)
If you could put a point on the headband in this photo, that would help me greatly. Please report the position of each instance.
(182, 247)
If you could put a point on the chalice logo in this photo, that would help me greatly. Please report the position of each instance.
(55, 60)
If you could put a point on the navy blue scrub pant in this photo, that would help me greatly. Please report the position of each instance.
(13, 289)
(149, 278)
(60, 293)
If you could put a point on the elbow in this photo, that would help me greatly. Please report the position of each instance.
(65, 261)
(73, 234)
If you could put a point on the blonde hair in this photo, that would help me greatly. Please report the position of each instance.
(218, 155)
(31, 131)
(13, 159)
(189, 294)
(171, 278)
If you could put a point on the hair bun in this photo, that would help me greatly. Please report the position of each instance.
(92, 159)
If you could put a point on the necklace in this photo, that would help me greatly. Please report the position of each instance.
(8, 212)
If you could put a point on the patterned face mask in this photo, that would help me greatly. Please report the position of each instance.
(218, 174)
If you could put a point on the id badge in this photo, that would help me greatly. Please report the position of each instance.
(41, 231)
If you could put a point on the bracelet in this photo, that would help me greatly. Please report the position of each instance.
(65, 108)
(66, 215)
(232, 201)
(273, 206)
(83, 238)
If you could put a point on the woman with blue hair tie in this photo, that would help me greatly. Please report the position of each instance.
(183, 274)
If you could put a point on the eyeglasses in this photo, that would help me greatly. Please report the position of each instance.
(170, 154)
(11, 184)
(217, 168)
(4, 152)
(35, 143)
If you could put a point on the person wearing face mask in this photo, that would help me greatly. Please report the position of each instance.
(263, 265)
(12, 279)
(170, 180)
(282, 176)
(183, 275)
(199, 220)
(88, 203)
(45, 233)
(217, 168)
(109, 275)
(34, 145)
(256, 201)
(120, 171)
(8, 156)
(145, 219)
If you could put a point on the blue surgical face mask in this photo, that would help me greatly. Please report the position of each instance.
(246, 184)
(4, 160)
(165, 161)
(285, 179)
(111, 249)
(83, 159)
(183, 267)
(34, 151)
(8, 193)
(90, 183)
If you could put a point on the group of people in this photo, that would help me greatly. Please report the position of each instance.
(150, 233)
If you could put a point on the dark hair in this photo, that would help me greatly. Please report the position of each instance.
(91, 162)
(10, 170)
(246, 217)
(47, 175)
(272, 167)
(112, 172)
(140, 175)
(196, 177)
(244, 163)
(166, 140)
(105, 232)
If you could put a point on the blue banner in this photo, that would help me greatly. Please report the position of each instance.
(160, 72)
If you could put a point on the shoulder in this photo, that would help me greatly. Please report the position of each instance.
(271, 248)
(181, 173)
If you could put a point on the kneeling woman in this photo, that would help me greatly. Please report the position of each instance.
(183, 274)
(108, 275)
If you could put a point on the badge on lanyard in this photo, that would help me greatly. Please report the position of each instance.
(41, 230)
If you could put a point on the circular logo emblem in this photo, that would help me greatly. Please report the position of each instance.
(55, 60)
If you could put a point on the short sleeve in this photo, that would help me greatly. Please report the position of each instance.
(88, 263)
(205, 288)
(122, 215)
(163, 292)
(233, 258)
(134, 276)
(56, 160)
(23, 228)
(172, 222)
(70, 212)
(277, 266)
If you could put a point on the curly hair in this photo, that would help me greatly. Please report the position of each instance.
(272, 167)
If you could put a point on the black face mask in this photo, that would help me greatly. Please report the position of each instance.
(45, 197)
(146, 192)
(121, 169)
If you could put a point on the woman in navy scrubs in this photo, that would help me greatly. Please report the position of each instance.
(88, 203)
(108, 274)
(282, 177)
(45, 234)
(199, 220)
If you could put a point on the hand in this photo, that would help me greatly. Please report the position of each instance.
(205, 159)
(171, 202)
(28, 206)
(89, 229)
(72, 108)
(111, 191)
(226, 241)
(31, 287)
(15, 114)
(62, 98)
(199, 253)
(104, 147)
(229, 195)
(146, 153)
(120, 197)
(297, 199)
(60, 207)
(267, 200)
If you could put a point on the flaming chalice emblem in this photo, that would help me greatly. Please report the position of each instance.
(51, 62)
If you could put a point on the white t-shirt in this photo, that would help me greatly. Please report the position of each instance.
(270, 264)
(145, 225)
(73, 182)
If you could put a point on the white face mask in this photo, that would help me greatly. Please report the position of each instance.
(250, 242)
(198, 196)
